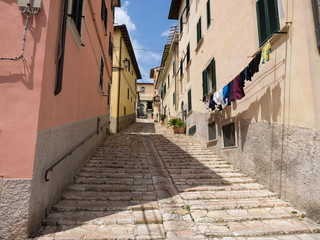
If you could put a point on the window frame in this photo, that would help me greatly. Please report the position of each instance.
(234, 133)
(189, 100)
(267, 20)
(199, 31)
(208, 5)
(101, 72)
(104, 16)
(76, 13)
(215, 130)
(205, 78)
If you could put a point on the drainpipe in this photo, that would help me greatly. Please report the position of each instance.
(62, 44)
(316, 17)
(118, 108)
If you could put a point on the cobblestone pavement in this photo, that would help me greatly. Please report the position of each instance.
(146, 183)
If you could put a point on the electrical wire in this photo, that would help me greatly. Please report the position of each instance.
(27, 11)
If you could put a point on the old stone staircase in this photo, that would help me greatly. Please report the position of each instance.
(142, 185)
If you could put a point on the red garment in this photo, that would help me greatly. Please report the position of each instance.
(238, 92)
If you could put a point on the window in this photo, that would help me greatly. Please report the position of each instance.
(108, 100)
(181, 24)
(181, 67)
(188, 53)
(199, 32)
(164, 90)
(189, 101)
(124, 111)
(212, 131)
(101, 72)
(110, 46)
(208, 14)
(209, 78)
(168, 80)
(268, 19)
(128, 94)
(174, 98)
(104, 15)
(229, 138)
(187, 7)
(76, 14)
(143, 89)
(174, 67)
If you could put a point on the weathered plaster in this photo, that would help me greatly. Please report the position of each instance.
(14, 209)
(52, 144)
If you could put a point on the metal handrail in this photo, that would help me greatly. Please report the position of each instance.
(50, 169)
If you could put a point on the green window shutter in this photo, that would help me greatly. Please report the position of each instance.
(205, 82)
(106, 19)
(199, 32)
(188, 53)
(174, 98)
(273, 16)
(189, 101)
(187, 7)
(213, 71)
(262, 22)
(103, 9)
(181, 24)
(181, 67)
(76, 14)
(208, 14)
(101, 72)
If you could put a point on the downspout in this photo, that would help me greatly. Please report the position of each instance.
(60, 59)
(316, 17)
(118, 105)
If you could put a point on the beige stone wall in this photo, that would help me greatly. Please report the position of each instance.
(278, 121)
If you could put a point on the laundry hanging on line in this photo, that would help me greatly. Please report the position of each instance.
(234, 90)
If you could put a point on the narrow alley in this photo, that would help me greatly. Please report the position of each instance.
(146, 183)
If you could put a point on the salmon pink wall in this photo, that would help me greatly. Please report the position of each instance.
(20, 85)
(80, 97)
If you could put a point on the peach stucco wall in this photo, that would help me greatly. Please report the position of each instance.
(27, 101)
(80, 97)
(20, 85)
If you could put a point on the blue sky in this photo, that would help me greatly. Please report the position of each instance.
(148, 25)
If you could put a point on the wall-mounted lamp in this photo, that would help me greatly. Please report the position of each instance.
(126, 65)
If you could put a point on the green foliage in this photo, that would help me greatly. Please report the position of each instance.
(181, 123)
(174, 122)
(155, 121)
(162, 117)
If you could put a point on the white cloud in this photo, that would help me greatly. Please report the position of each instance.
(165, 33)
(144, 58)
(122, 17)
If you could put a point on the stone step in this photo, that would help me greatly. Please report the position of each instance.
(114, 196)
(227, 194)
(218, 181)
(104, 218)
(240, 215)
(113, 175)
(207, 176)
(110, 188)
(235, 203)
(241, 186)
(258, 228)
(114, 181)
(197, 167)
(93, 205)
(115, 170)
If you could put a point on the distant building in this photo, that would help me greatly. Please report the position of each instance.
(125, 75)
(154, 74)
(145, 104)
(271, 133)
(54, 102)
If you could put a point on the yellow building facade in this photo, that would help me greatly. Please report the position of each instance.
(124, 81)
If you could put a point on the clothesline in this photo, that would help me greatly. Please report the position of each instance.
(234, 90)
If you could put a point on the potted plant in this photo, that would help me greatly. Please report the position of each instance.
(181, 125)
(162, 117)
(174, 123)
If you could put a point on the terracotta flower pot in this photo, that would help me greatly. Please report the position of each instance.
(182, 130)
(175, 130)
